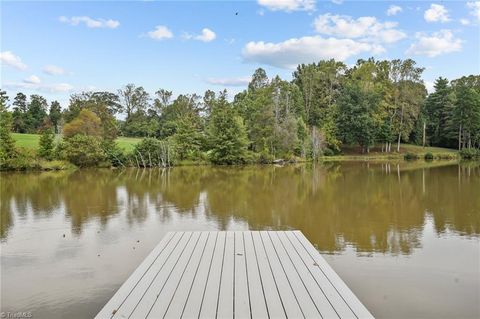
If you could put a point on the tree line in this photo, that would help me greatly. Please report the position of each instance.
(325, 106)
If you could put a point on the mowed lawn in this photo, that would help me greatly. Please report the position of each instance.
(31, 141)
(404, 148)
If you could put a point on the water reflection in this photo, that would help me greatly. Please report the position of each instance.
(373, 207)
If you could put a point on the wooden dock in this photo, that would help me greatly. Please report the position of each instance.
(244, 274)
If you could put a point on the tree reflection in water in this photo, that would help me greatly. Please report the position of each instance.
(372, 207)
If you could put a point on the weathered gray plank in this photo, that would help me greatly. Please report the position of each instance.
(139, 277)
(256, 288)
(225, 307)
(289, 300)
(302, 295)
(179, 256)
(241, 296)
(319, 277)
(161, 304)
(181, 293)
(195, 295)
(323, 305)
(347, 295)
(208, 307)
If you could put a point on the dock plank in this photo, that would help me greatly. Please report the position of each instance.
(181, 294)
(242, 274)
(289, 299)
(225, 305)
(140, 279)
(347, 295)
(332, 295)
(208, 307)
(241, 293)
(194, 300)
(302, 295)
(258, 303)
(323, 305)
(157, 286)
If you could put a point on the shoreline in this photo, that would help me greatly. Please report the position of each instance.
(46, 166)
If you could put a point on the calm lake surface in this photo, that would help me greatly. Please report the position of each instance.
(405, 238)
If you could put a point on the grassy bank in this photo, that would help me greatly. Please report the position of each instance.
(30, 141)
(355, 153)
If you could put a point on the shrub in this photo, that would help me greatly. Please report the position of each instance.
(428, 156)
(410, 156)
(469, 153)
(86, 123)
(59, 150)
(328, 152)
(84, 151)
(115, 155)
(265, 157)
(46, 145)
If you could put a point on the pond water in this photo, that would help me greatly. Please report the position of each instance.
(404, 237)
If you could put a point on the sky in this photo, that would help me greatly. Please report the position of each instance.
(59, 48)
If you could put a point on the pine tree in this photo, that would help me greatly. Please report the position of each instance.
(227, 135)
(46, 144)
(7, 144)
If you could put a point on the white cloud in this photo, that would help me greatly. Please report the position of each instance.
(475, 6)
(436, 13)
(91, 23)
(32, 79)
(393, 10)
(206, 36)
(40, 87)
(290, 53)
(366, 28)
(160, 32)
(239, 81)
(53, 70)
(465, 21)
(10, 59)
(438, 43)
(288, 5)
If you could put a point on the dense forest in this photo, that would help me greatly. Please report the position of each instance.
(325, 106)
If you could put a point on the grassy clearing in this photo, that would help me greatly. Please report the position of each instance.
(26, 140)
(30, 141)
(352, 153)
(127, 143)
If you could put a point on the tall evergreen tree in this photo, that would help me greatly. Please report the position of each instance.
(227, 135)
(54, 115)
(37, 112)
(7, 143)
(438, 107)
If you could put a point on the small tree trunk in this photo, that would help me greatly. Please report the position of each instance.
(424, 133)
(398, 143)
(141, 157)
(460, 137)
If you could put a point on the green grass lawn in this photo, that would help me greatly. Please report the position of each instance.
(404, 148)
(127, 143)
(31, 141)
(26, 140)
